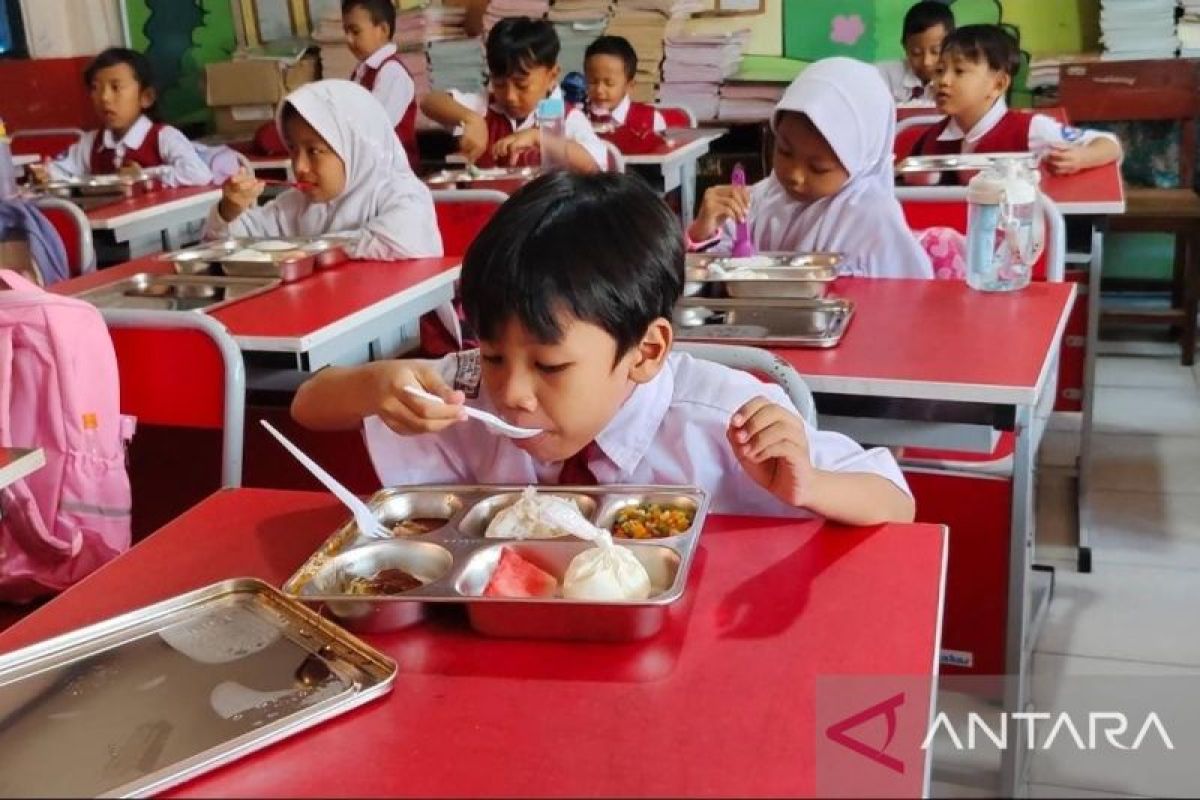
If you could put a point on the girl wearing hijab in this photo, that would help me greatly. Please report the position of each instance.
(831, 188)
(353, 176)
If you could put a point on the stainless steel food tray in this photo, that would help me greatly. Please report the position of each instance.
(228, 257)
(776, 275)
(142, 702)
(163, 292)
(102, 186)
(966, 161)
(455, 562)
(452, 177)
(789, 323)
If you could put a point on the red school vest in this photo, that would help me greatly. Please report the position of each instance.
(499, 126)
(1009, 135)
(406, 128)
(640, 117)
(103, 161)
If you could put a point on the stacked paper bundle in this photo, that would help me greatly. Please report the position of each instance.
(1132, 29)
(578, 24)
(749, 100)
(456, 64)
(694, 67)
(336, 59)
(500, 9)
(1189, 29)
(647, 24)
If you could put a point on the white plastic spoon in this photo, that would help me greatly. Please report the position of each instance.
(491, 420)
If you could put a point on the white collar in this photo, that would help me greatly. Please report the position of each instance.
(376, 59)
(909, 79)
(621, 112)
(529, 121)
(631, 431)
(954, 133)
(133, 137)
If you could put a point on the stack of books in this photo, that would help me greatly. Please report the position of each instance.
(694, 67)
(1137, 29)
(647, 24)
(578, 23)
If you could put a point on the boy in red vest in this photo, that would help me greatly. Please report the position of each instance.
(370, 26)
(610, 64)
(500, 127)
(976, 69)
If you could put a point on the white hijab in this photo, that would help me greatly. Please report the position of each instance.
(383, 198)
(851, 106)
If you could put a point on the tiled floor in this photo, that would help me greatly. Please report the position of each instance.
(1138, 613)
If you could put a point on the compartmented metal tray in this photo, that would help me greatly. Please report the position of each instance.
(791, 323)
(142, 702)
(787, 275)
(177, 292)
(468, 176)
(965, 161)
(454, 561)
(109, 186)
(286, 258)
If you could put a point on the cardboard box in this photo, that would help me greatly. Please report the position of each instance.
(257, 81)
(241, 121)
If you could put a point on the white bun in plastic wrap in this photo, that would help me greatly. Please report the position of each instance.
(539, 516)
(606, 572)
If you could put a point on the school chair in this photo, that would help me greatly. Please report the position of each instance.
(677, 116)
(909, 131)
(44, 142)
(616, 159)
(1164, 90)
(461, 215)
(762, 363)
(181, 373)
(73, 228)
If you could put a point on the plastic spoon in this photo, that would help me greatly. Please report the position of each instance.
(491, 420)
(742, 246)
(367, 523)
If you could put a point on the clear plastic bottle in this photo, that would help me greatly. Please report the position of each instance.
(551, 121)
(1002, 243)
(8, 171)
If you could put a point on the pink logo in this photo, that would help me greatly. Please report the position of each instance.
(847, 29)
(837, 732)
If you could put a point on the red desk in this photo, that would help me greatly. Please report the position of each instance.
(936, 358)
(321, 317)
(157, 212)
(726, 701)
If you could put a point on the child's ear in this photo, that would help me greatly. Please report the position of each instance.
(554, 73)
(651, 352)
(1003, 81)
(148, 96)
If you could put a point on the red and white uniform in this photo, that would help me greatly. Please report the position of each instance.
(146, 143)
(384, 75)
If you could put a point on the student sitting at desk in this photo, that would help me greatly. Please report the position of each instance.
(370, 26)
(499, 127)
(831, 187)
(351, 176)
(926, 25)
(610, 66)
(571, 287)
(974, 74)
(123, 95)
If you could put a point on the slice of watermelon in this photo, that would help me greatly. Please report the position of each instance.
(516, 577)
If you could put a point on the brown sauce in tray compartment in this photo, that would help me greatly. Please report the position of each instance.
(386, 581)
(417, 526)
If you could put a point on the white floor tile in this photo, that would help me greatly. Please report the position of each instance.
(1043, 790)
(1118, 611)
(949, 790)
(1135, 528)
(975, 770)
(1079, 686)
(1173, 411)
(1059, 448)
(1145, 463)
(1143, 372)
(1065, 421)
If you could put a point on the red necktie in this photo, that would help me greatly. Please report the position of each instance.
(575, 470)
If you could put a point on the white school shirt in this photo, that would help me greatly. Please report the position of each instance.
(622, 111)
(1045, 132)
(903, 83)
(182, 165)
(576, 126)
(670, 431)
(394, 87)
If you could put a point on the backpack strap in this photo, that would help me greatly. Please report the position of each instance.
(17, 281)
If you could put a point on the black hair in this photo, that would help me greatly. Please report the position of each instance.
(603, 248)
(925, 15)
(381, 11)
(138, 64)
(518, 44)
(988, 43)
(617, 46)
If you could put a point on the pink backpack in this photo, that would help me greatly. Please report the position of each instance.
(59, 391)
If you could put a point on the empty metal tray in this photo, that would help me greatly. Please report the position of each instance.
(287, 258)
(965, 161)
(162, 292)
(790, 323)
(769, 275)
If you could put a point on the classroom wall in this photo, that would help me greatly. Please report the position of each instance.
(766, 38)
(65, 28)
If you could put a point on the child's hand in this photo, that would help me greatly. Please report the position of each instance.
(721, 203)
(239, 193)
(1066, 160)
(771, 444)
(474, 140)
(131, 171)
(510, 148)
(39, 174)
(404, 413)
